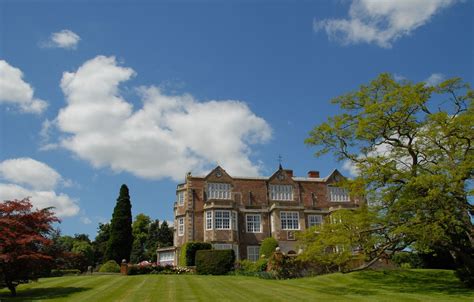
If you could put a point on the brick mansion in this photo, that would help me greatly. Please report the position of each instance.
(237, 213)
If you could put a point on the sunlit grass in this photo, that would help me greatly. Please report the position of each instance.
(411, 285)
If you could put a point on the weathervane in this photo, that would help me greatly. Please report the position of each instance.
(279, 160)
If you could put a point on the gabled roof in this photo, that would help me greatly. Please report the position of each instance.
(332, 176)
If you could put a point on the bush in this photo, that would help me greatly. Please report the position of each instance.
(268, 247)
(250, 267)
(285, 267)
(110, 267)
(136, 269)
(407, 259)
(214, 262)
(64, 272)
(188, 252)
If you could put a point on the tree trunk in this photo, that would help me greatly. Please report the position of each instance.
(12, 288)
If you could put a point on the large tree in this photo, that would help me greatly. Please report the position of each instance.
(165, 235)
(100, 242)
(120, 242)
(140, 227)
(411, 146)
(24, 238)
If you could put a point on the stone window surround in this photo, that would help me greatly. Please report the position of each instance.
(290, 219)
(251, 224)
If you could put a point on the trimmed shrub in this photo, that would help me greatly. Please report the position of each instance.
(188, 252)
(268, 247)
(110, 267)
(214, 262)
(64, 272)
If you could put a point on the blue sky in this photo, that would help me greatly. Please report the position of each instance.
(99, 94)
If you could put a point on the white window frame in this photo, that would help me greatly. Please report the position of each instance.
(315, 219)
(218, 190)
(181, 226)
(180, 197)
(209, 222)
(337, 194)
(287, 220)
(166, 256)
(220, 221)
(234, 221)
(253, 252)
(253, 225)
(281, 192)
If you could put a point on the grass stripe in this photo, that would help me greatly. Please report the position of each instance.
(414, 285)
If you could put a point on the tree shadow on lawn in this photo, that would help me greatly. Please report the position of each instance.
(368, 283)
(414, 282)
(42, 293)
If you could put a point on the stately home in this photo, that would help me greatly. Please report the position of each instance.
(234, 212)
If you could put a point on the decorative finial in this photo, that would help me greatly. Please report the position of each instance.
(279, 161)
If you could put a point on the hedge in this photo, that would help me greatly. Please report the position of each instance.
(214, 262)
(188, 252)
(110, 267)
(64, 272)
(268, 247)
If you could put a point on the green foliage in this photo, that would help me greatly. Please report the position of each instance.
(284, 267)
(331, 244)
(412, 146)
(120, 242)
(165, 235)
(140, 229)
(407, 259)
(158, 236)
(110, 267)
(136, 269)
(247, 266)
(214, 262)
(188, 252)
(268, 247)
(100, 243)
(64, 272)
(85, 249)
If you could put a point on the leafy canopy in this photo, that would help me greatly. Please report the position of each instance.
(24, 238)
(410, 145)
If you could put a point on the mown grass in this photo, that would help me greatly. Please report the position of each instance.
(411, 285)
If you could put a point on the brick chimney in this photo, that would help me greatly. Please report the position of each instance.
(313, 174)
(289, 173)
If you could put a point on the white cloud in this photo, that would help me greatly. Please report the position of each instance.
(434, 79)
(350, 167)
(381, 22)
(26, 177)
(62, 39)
(29, 172)
(13, 90)
(63, 204)
(166, 137)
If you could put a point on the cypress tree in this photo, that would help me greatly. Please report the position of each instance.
(120, 242)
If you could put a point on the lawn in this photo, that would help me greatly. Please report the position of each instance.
(413, 285)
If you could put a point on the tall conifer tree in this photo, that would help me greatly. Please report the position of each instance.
(120, 242)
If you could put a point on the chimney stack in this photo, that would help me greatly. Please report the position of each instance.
(313, 174)
(289, 173)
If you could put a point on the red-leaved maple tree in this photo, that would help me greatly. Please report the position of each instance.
(23, 241)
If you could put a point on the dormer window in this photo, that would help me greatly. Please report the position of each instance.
(337, 194)
(218, 191)
(281, 192)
